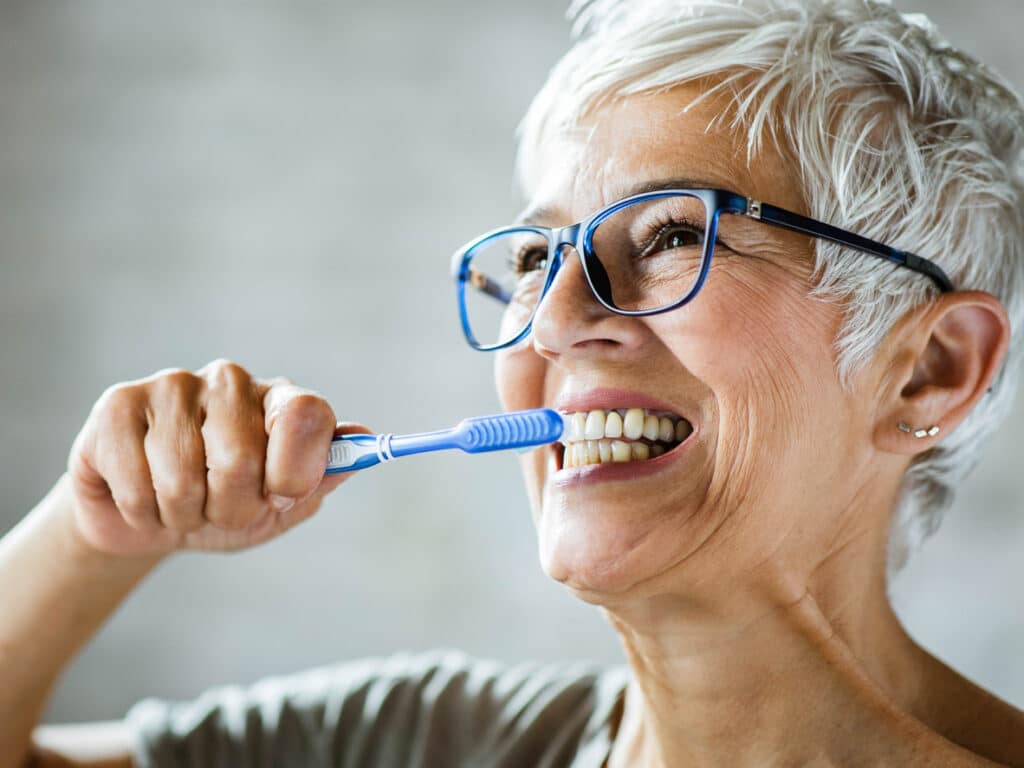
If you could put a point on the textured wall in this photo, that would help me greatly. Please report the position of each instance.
(282, 184)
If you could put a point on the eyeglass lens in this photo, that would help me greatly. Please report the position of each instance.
(651, 252)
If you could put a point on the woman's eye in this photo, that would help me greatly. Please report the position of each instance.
(680, 238)
(530, 260)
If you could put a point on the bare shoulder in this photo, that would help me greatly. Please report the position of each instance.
(84, 745)
(974, 718)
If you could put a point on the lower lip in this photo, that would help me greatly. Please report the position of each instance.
(624, 470)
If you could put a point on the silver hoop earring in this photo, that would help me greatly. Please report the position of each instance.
(919, 433)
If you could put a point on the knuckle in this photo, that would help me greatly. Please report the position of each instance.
(135, 504)
(307, 412)
(181, 491)
(224, 373)
(279, 381)
(236, 467)
(118, 399)
(176, 382)
(113, 416)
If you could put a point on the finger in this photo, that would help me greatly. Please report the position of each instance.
(351, 428)
(175, 450)
(116, 451)
(300, 425)
(328, 483)
(87, 482)
(236, 447)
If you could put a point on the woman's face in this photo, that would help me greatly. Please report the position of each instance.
(777, 449)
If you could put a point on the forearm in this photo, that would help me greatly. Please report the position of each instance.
(55, 592)
(213, 460)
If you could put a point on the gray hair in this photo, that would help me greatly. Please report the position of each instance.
(898, 136)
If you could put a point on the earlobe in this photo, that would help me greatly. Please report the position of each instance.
(939, 368)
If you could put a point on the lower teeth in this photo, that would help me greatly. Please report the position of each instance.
(582, 453)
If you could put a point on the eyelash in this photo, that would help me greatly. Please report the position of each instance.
(662, 228)
(516, 264)
(667, 224)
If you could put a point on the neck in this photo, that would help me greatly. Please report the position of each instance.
(767, 678)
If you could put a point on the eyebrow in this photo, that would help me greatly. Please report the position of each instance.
(544, 213)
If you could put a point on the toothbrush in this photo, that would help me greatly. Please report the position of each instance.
(516, 429)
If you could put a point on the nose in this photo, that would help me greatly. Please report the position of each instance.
(570, 322)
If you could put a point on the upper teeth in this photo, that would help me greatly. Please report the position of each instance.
(631, 423)
(600, 437)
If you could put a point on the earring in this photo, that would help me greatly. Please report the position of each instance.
(930, 432)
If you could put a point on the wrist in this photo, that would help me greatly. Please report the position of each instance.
(62, 590)
(58, 512)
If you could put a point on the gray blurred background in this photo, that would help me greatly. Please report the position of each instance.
(282, 184)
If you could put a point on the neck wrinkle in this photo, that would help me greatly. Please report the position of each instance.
(761, 680)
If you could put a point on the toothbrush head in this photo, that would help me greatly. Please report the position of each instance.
(517, 429)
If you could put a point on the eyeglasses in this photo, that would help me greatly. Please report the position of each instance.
(642, 255)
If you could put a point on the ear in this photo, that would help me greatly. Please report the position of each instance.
(941, 359)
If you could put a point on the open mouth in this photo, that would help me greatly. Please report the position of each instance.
(619, 436)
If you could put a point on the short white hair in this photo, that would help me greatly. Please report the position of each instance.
(898, 136)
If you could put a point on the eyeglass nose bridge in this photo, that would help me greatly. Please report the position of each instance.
(564, 236)
(561, 237)
(594, 272)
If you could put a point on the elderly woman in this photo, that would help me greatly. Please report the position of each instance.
(769, 268)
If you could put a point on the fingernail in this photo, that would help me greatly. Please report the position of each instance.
(281, 503)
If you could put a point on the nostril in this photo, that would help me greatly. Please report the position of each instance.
(546, 352)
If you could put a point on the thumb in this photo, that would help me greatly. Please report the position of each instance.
(351, 428)
(332, 481)
(308, 506)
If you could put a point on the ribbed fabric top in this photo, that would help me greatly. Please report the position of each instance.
(414, 711)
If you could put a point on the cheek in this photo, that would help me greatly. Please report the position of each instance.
(519, 374)
(519, 377)
(761, 345)
(764, 352)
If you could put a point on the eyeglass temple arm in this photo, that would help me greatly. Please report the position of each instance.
(483, 283)
(797, 223)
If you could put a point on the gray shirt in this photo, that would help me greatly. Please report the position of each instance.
(415, 711)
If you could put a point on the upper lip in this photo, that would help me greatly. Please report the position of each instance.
(608, 398)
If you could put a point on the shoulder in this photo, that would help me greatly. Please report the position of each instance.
(404, 707)
(972, 717)
(478, 698)
(438, 677)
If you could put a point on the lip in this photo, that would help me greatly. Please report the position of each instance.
(609, 399)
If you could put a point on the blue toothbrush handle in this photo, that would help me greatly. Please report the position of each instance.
(518, 429)
(351, 452)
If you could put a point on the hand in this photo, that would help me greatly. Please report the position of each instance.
(212, 460)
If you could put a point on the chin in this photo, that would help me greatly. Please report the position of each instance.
(607, 532)
(604, 552)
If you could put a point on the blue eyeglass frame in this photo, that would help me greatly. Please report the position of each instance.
(579, 236)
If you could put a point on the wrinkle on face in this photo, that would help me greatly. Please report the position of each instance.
(752, 351)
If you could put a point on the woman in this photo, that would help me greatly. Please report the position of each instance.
(780, 332)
